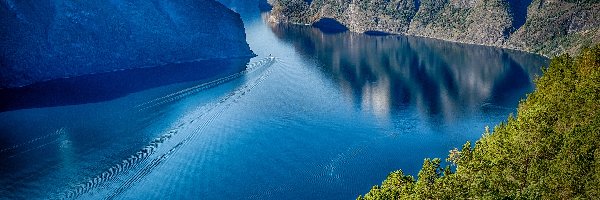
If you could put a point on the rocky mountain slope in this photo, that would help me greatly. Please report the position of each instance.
(547, 27)
(48, 39)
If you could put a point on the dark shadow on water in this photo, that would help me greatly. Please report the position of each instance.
(376, 33)
(389, 73)
(328, 25)
(107, 86)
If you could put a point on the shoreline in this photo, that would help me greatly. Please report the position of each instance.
(428, 37)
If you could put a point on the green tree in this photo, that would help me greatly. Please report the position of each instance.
(550, 150)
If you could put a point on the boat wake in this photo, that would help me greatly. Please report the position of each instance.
(124, 175)
(204, 86)
(494, 106)
(32, 144)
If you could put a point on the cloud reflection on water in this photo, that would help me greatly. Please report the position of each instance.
(385, 74)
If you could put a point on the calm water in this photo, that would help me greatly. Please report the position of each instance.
(328, 118)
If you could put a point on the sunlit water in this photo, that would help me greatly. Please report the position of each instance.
(330, 116)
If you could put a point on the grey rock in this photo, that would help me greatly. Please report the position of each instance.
(547, 27)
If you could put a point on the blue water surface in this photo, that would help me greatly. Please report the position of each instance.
(329, 117)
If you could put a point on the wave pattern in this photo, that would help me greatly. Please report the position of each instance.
(204, 86)
(124, 175)
(33, 142)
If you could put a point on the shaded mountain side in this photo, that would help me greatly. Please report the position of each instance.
(540, 26)
(246, 8)
(49, 39)
(247, 5)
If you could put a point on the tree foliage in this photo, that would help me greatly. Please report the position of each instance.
(551, 150)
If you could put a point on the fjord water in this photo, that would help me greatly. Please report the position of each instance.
(328, 118)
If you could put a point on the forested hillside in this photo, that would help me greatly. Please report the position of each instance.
(548, 27)
(550, 150)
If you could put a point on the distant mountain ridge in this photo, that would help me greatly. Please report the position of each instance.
(547, 27)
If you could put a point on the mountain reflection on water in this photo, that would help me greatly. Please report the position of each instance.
(329, 118)
(384, 73)
(94, 88)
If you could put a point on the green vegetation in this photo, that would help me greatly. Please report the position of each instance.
(290, 10)
(551, 150)
(550, 27)
(556, 27)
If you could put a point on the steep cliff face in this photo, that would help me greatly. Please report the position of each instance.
(480, 22)
(391, 16)
(538, 26)
(556, 26)
(48, 39)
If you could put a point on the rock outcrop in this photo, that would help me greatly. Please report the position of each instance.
(48, 39)
(556, 26)
(546, 27)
